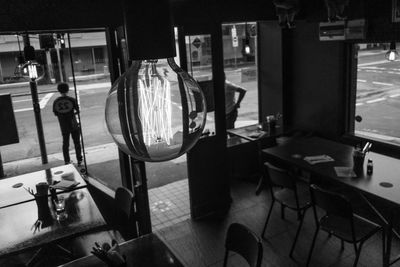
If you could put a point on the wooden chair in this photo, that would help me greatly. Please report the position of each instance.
(244, 242)
(122, 228)
(289, 192)
(340, 221)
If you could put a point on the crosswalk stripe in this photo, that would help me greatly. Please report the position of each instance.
(376, 100)
(380, 83)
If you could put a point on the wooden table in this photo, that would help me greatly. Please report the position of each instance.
(384, 183)
(11, 196)
(147, 250)
(16, 222)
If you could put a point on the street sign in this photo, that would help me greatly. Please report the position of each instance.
(196, 42)
(235, 41)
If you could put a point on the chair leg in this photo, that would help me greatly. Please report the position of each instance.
(358, 251)
(260, 185)
(282, 212)
(268, 216)
(312, 246)
(298, 215)
(297, 233)
(383, 245)
(226, 258)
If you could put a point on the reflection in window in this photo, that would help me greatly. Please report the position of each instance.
(377, 105)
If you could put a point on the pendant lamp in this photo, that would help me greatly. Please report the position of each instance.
(155, 111)
(392, 53)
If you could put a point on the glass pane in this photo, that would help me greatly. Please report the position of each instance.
(168, 187)
(92, 77)
(199, 60)
(240, 54)
(25, 156)
(377, 107)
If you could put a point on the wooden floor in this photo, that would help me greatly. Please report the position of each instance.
(201, 243)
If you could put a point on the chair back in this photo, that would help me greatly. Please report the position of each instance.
(279, 177)
(333, 203)
(243, 241)
(125, 212)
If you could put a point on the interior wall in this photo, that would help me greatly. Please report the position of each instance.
(303, 78)
(270, 68)
(317, 80)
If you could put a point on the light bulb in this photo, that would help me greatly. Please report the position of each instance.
(247, 49)
(392, 55)
(155, 111)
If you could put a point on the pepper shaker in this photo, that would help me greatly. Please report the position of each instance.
(370, 167)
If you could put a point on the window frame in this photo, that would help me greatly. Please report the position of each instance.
(350, 78)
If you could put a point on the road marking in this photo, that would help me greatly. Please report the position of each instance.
(23, 100)
(376, 100)
(93, 86)
(43, 102)
(22, 109)
(376, 71)
(359, 104)
(373, 63)
(379, 83)
(362, 81)
(45, 99)
(373, 68)
(395, 95)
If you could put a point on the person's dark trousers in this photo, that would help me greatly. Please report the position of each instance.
(230, 119)
(76, 139)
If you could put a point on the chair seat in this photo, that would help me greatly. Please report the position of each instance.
(341, 227)
(286, 196)
(82, 245)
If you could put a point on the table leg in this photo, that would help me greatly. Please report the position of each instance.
(386, 257)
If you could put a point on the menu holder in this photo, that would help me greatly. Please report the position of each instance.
(345, 172)
(318, 159)
(64, 185)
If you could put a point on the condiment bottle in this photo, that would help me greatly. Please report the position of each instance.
(370, 166)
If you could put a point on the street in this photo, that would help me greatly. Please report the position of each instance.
(378, 96)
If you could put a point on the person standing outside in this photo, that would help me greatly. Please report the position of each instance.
(65, 108)
(231, 105)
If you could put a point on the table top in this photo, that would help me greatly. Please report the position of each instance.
(385, 173)
(17, 229)
(11, 196)
(252, 132)
(147, 250)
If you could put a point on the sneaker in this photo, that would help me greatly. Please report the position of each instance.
(68, 162)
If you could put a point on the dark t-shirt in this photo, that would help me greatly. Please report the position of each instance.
(64, 107)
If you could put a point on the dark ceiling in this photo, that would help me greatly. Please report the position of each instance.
(43, 15)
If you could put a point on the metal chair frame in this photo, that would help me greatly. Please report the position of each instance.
(287, 180)
(337, 205)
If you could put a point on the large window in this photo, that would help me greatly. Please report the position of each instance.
(240, 66)
(377, 105)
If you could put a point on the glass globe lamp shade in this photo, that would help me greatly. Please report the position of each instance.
(155, 111)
